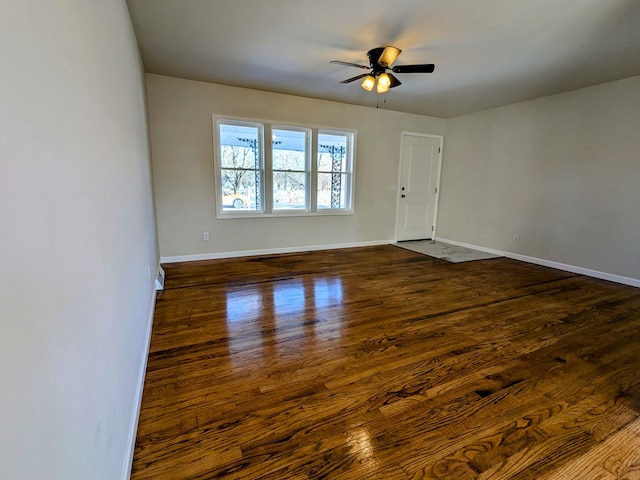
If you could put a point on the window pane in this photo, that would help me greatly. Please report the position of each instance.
(332, 189)
(239, 190)
(332, 152)
(289, 190)
(239, 146)
(289, 149)
(241, 167)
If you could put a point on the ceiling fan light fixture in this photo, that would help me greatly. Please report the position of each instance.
(389, 55)
(384, 82)
(368, 83)
(380, 59)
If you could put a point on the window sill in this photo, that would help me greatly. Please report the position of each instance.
(288, 214)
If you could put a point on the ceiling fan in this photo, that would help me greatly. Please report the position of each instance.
(380, 60)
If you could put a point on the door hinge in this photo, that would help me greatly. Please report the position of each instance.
(436, 189)
(438, 149)
(432, 228)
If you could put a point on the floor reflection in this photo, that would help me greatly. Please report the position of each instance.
(243, 306)
(327, 292)
(288, 299)
(266, 321)
(360, 445)
(244, 319)
(328, 308)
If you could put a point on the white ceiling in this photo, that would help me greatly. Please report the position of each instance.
(487, 53)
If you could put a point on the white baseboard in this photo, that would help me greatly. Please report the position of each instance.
(135, 414)
(269, 251)
(634, 282)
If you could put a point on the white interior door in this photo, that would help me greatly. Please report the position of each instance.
(418, 189)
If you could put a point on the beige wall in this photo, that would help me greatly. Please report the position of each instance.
(77, 235)
(563, 172)
(181, 137)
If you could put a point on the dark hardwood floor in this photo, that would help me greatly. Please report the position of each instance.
(381, 363)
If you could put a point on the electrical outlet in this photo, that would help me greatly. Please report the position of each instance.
(516, 237)
(205, 235)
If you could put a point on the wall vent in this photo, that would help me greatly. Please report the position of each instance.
(160, 279)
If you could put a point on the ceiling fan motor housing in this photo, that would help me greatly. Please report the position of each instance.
(374, 56)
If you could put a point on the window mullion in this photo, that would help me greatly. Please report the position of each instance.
(313, 172)
(268, 168)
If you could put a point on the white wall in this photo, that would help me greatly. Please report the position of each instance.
(561, 171)
(181, 142)
(77, 235)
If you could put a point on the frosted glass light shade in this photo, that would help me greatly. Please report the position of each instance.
(368, 83)
(389, 55)
(383, 83)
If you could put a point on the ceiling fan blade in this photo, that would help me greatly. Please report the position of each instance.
(348, 64)
(394, 80)
(353, 79)
(420, 68)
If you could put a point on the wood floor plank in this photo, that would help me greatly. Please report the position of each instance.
(618, 456)
(383, 363)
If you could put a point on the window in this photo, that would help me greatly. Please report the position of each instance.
(333, 170)
(241, 166)
(290, 172)
(269, 169)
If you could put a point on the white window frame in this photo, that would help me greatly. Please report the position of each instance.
(266, 161)
(218, 170)
(349, 161)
